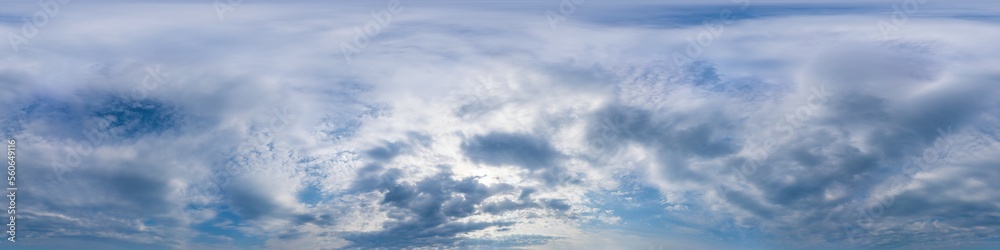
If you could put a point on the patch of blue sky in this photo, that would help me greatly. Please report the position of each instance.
(108, 116)
(138, 118)
(993, 18)
(340, 129)
(510, 241)
(643, 212)
(92, 242)
(224, 227)
(311, 195)
(681, 16)
(12, 20)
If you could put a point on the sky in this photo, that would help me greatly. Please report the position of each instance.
(572, 124)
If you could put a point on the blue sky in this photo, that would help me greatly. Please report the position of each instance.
(503, 124)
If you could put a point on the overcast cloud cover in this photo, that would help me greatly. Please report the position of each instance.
(542, 124)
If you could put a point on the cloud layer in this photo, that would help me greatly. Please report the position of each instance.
(558, 126)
